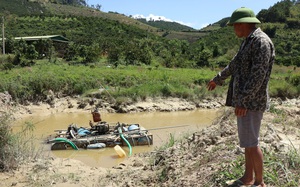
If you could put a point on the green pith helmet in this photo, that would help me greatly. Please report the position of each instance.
(242, 15)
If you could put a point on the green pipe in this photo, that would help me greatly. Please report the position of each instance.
(122, 136)
(67, 141)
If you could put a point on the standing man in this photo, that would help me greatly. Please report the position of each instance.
(250, 71)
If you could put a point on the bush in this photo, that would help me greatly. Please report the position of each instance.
(283, 90)
(295, 79)
(14, 148)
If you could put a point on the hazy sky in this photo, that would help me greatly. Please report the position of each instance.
(194, 13)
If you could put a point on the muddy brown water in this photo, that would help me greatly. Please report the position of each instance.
(160, 124)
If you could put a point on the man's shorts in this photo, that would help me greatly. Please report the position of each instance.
(248, 128)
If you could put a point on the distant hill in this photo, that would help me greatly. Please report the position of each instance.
(166, 25)
(174, 26)
(22, 8)
(44, 8)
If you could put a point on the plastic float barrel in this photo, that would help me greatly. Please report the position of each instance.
(120, 151)
(96, 146)
(133, 127)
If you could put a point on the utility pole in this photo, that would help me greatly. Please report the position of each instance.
(3, 37)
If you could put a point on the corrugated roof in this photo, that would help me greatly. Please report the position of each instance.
(56, 38)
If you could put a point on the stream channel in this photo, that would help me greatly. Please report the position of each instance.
(163, 124)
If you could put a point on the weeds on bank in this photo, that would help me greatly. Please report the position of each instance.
(15, 148)
(282, 169)
(169, 143)
(163, 147)
(279, 169)
(163, 173)
(280, 114)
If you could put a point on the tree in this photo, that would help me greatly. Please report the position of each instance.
(71, 52)
(98, 6)
(44, 48)
(277, 13)
(31, 53)
(216, 51)
(203, 58)
(270, 31)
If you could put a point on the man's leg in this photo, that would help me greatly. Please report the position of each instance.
(247, 178)
(256, 156)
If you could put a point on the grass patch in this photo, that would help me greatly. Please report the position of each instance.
(135, 82)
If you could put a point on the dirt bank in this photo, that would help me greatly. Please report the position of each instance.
(192, 161)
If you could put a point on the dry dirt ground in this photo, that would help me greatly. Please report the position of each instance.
(194, 160)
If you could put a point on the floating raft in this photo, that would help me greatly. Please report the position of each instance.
(134, 136)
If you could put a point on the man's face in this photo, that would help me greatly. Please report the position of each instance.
(238, 29)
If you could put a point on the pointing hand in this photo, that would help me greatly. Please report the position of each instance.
(211, 85)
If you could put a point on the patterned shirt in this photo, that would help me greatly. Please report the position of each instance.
(250, 71)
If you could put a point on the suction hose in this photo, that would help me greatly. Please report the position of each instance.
(67, 141)
(122, 136)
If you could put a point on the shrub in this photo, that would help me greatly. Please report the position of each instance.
(14, 148)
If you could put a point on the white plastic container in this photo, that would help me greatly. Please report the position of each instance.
(120, 151)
